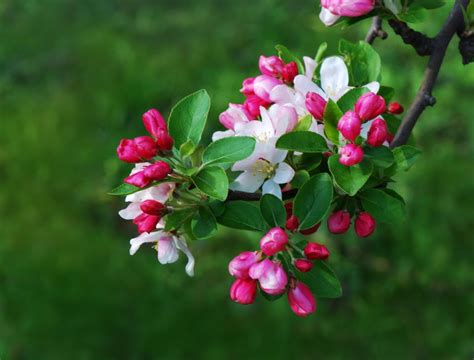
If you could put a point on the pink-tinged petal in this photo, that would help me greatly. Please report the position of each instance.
(130, 212)
(301, 300)
(327, 17)
(310, 66)
(135, 243)
(167, 251)
(181, 245)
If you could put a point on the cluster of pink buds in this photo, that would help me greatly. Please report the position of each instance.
(340, 221)
(333, 9)
(368, 107)
(263, 269)
(145, 148)
(257, 90)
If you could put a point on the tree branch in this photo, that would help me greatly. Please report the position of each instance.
(240, 195)
(421, 43)
(454, 24)
(376, 31)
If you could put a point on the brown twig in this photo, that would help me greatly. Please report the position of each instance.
(424, 45)
(376, 31)
(454, 24)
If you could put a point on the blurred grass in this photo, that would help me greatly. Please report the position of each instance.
(75, 78)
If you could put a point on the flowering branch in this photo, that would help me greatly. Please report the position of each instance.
(424, 45)
(454, 24)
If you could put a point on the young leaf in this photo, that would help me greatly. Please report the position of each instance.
(188, 118)
(124, 189)
(228, 150)
(213, 182)
(302, 141)
(304, 123)
(349, 99)
(322, 281)
(242, 215)
(204, 224)
(287, 57)
(313, 200)
(331, 116)
(187, 149)
(382, 206)
(320, 53)
(350, 178)
(380, 156)
(363, 62)
(273, 210)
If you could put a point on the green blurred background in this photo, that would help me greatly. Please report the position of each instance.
(75, 77)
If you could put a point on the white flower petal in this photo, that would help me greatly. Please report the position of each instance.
(167, 251)
(248, 181)
(181, 245)
(271, 187)
(282, 94)
(159, 193)
(374, 87)
(334, 77)
(327, 17)
(222, 134)
(283, 174)
(276, 156)
(131, 211)
(305, 85)
(310, 66)
(142, 239)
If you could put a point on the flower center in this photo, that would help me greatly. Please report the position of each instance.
(264, 167)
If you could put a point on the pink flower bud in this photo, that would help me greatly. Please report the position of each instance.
(395, 108)
(138, 179)
(274, 241)
(339, 222)
(252, 105)
(271, 65)
(349, 125)
(378, 132)
(350, 155)
(301, 300)
(164, 140)
(235, 114)
(271, 276)
(152, 207)
(303, 265)
(128, 152)
(243, 291)
(315, 251)
(263, 85)
(146, 147)
(369, 106)
(311, 230)
(364, 225)
(157, 171)
(153, 122)
(240, 265)
(146, 223)
(315, 105)
(292, 223)
(247, 87)
(349, 8)
(289, 72)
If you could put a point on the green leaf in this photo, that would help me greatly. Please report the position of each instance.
(393, 123)
(213, 182)
(350, 178)
(382, 206)
(300, 179)
(380, 156)
(273, 210)
(302, 141)
(387, 93)
(177, 218)
(320, 53)
(228, 150)
(414, 14)
(429, 4)
(287, 57)
(304, 123)
(124, 189)
(204, 224)
(349, 99)
(187, 149)
(405, 156)
(322, 281)
(313, 200)
(362, 60)
(242, 215)
(331, 117)
(188, 118)
(308, 162)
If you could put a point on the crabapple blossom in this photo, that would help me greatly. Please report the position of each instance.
(292, 223)
(152, 207)
(154, 122)
(243, 291)
(263, 85)
(271, 65)
(311, 230)
(136, 150)
(339, 222)
(349, 125)
(270, 275)
(303, 265)
(315, 104)
(240, 265)
(369, 106)
(377, 133)
(332, 10)
(301, 299)
(289, 72)
(351, 154)
(315, 251)
(236, 113)
(364, 224)
(146, 222)
(253, 104)
(395, 108)
(274, 241)
(247, 86)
